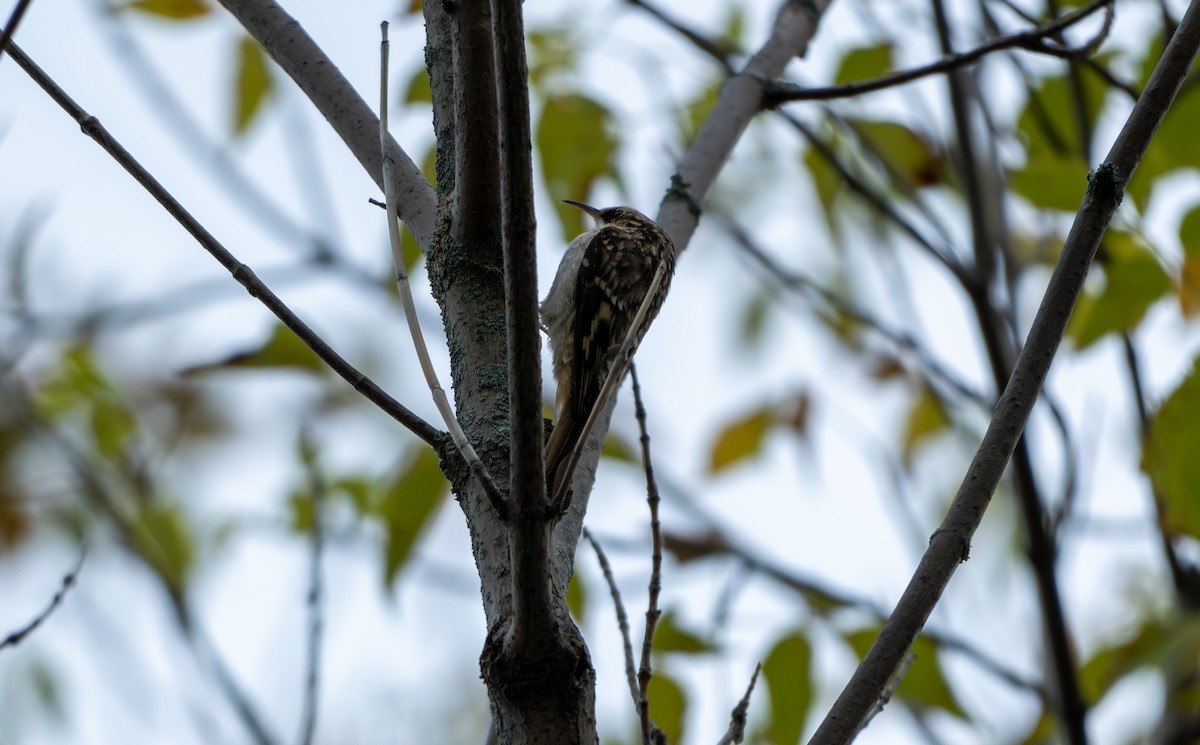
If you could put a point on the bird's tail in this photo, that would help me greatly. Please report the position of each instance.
(558, 449)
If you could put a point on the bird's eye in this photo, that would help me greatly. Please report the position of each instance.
(612, 213)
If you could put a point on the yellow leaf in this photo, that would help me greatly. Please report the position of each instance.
(253, 86)
(926, 419)
(175, 10)
(739, 440)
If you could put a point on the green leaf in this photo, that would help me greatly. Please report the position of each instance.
(618, 449)
(1171, 645)
(1053, 182)
(1169, 456)
(740, 439)
(926, 419)
(1189, 273)
(164, 538)
(174, 10)
(1189, 233)
(253, 86)
(698, 109)
(577, 596)
(357, 489)
(1049, 120)
(668, 705)
(924, 685)
(864, 63)
(754, 320)
(1134, 281)
(79, 386)
(827, 182)
(577, 143)
(112, 426)
(418, 90)
(669, 636)
(1173, 147)
(406, 507)
(906, 155)
(283, 349)
(552, 53)
(45, 685)
(788, 672)
(300, 507)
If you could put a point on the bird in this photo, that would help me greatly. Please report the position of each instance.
(600, 285)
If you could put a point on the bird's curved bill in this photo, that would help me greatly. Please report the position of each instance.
(586, 208)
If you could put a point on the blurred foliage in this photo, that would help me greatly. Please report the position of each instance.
(1171, 456)
(668, 705)
(576, 140)
(174, 10)
(864, 63)
(923, 685)
(254, 84)
(788, 673)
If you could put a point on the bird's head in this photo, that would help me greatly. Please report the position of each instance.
(610, 215)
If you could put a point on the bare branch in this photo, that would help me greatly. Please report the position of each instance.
(349, 115)
(716, 50)
(14, 20)
(737, 719)
(206, 151)
(652, 610)
(1033, 40)
(316, 542)
(241, 272)
(622, 618)
(464, 446)
(950, 545)
(68, 581)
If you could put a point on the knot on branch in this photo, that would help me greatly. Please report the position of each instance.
(682, 190)
(966, 544)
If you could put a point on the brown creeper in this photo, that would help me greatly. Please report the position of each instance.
(599, 287)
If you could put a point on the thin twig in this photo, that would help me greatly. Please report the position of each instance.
(14, 20)
(465, 448)
(622, 618)
(206, 151)
(717, 51)
(68, 581)
(652, 610)
(883, 205)
(1032, 40)
(886, 697)
(241, 272)
(950, 544)
(316, 541)
(1174, 565)
(620, 364)
(809, 288)
(737, 719)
